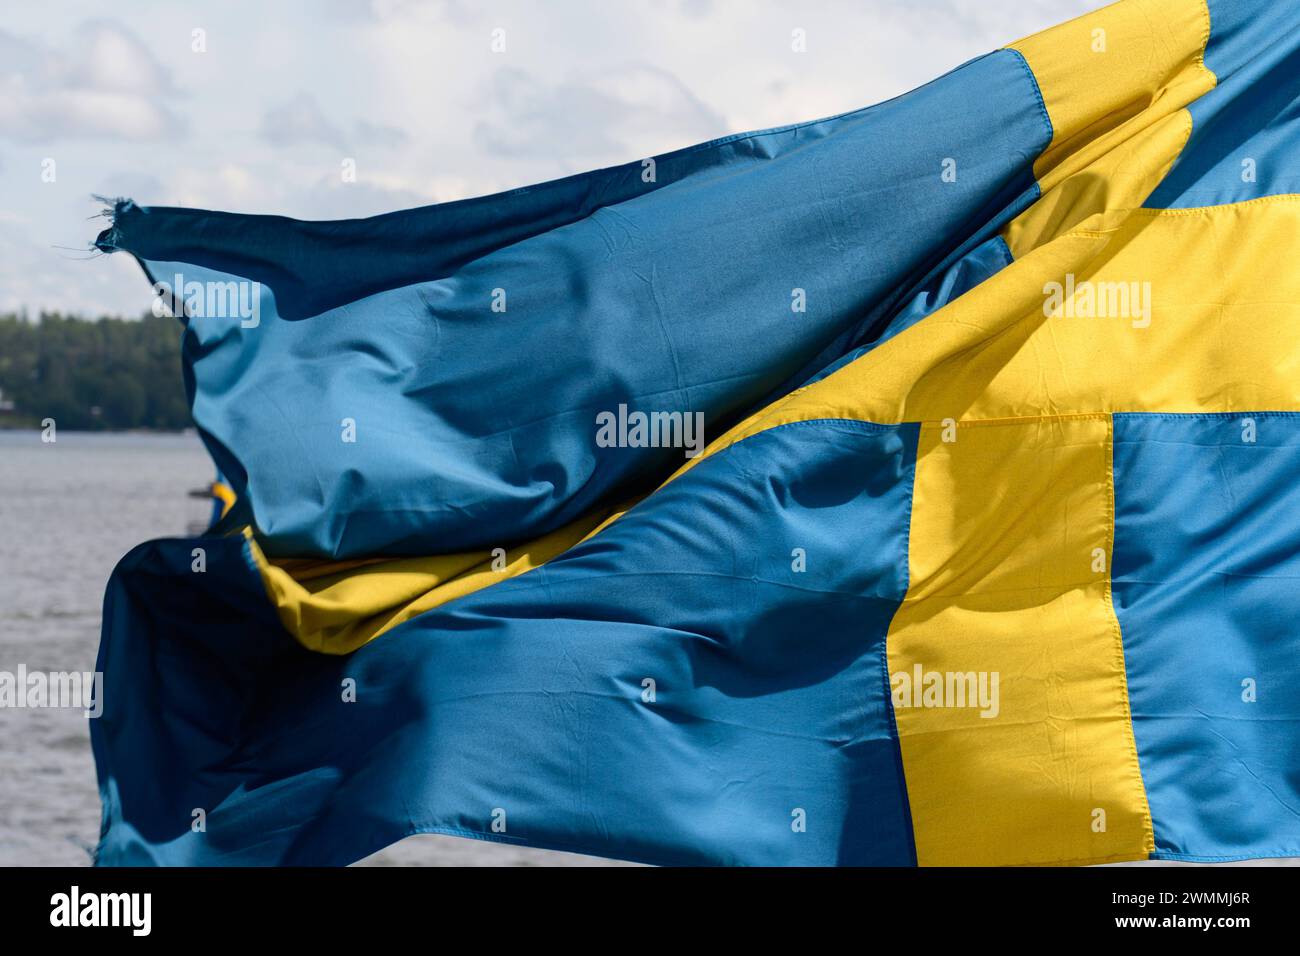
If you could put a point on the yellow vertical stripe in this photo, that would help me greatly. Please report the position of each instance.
(1010, 544)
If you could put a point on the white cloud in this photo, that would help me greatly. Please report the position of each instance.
(585, 119)
(386, 137)
(299, 121)
(105, 56)
(102, 83)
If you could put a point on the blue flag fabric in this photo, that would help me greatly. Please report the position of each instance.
(912, 486)
(474, 342)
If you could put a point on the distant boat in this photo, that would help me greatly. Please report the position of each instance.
(222, 497)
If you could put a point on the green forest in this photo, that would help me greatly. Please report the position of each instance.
(92, 375)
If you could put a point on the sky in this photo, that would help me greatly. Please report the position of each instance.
(267, 107)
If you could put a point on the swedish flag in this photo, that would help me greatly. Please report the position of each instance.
(988, 551)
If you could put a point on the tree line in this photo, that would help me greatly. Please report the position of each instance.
(104, 374)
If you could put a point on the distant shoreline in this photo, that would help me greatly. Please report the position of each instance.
(102, 375)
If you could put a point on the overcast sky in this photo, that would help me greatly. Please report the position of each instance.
(262, 117)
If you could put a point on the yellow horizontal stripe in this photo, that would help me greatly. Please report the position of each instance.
(1119, 122)
(335, 607)
(1223, 336)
